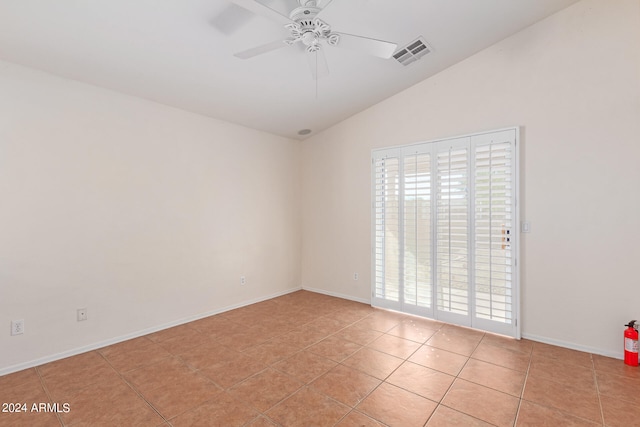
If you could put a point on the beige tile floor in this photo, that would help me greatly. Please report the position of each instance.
(306, 359)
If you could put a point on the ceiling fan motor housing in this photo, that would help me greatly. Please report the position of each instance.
(310, 33)
(307, 29)
(304, 13)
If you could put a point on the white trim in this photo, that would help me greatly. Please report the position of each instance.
(518, 243)
(451, 138)
(573, 346)
(337, 295)
(116, 340)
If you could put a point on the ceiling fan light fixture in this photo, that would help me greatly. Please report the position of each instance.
(309, 38)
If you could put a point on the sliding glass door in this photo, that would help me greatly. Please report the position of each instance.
(444, 242)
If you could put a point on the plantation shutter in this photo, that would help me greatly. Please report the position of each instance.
(386, 219)
(494, 224)
(417, 231)
(452, 228)
(444, 233)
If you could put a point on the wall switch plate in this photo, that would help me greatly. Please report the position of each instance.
(525, 227)
(82, 314)
(355, 276)
(243, 280)
(17, 327)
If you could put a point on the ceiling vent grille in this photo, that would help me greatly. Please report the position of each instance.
(412, 52)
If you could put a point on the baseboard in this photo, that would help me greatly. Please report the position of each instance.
(116, 340)
(573, 346)
(336, 294)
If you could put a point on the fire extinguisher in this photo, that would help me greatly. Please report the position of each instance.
(631, 344)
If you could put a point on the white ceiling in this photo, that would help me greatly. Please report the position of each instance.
(171, 51)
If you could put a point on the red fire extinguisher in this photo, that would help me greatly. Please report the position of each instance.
(631, 344)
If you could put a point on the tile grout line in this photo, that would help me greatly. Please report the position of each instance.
(524, 386)
(264, 413)
(46, 391)
(308, 385)
(440, 403)
(595, 379)
(392, 372)
(144, 399)
(561, 410)
(383, 381)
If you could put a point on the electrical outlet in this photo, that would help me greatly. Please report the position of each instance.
(82, 314)
(243, 280)
(17, 327)
(355, 276)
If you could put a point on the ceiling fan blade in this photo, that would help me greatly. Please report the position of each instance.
(259, 50)
(368, 45)
(262, 10)
(317, 64)
(323, 4)
(231, 19)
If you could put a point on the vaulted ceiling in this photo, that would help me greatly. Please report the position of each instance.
(181, 52)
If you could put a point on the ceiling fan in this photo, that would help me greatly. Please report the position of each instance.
(306, 28)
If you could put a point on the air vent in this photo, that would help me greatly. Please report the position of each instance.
(412, 52)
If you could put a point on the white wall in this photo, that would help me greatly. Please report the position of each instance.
(144, 214)
(572, 82)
